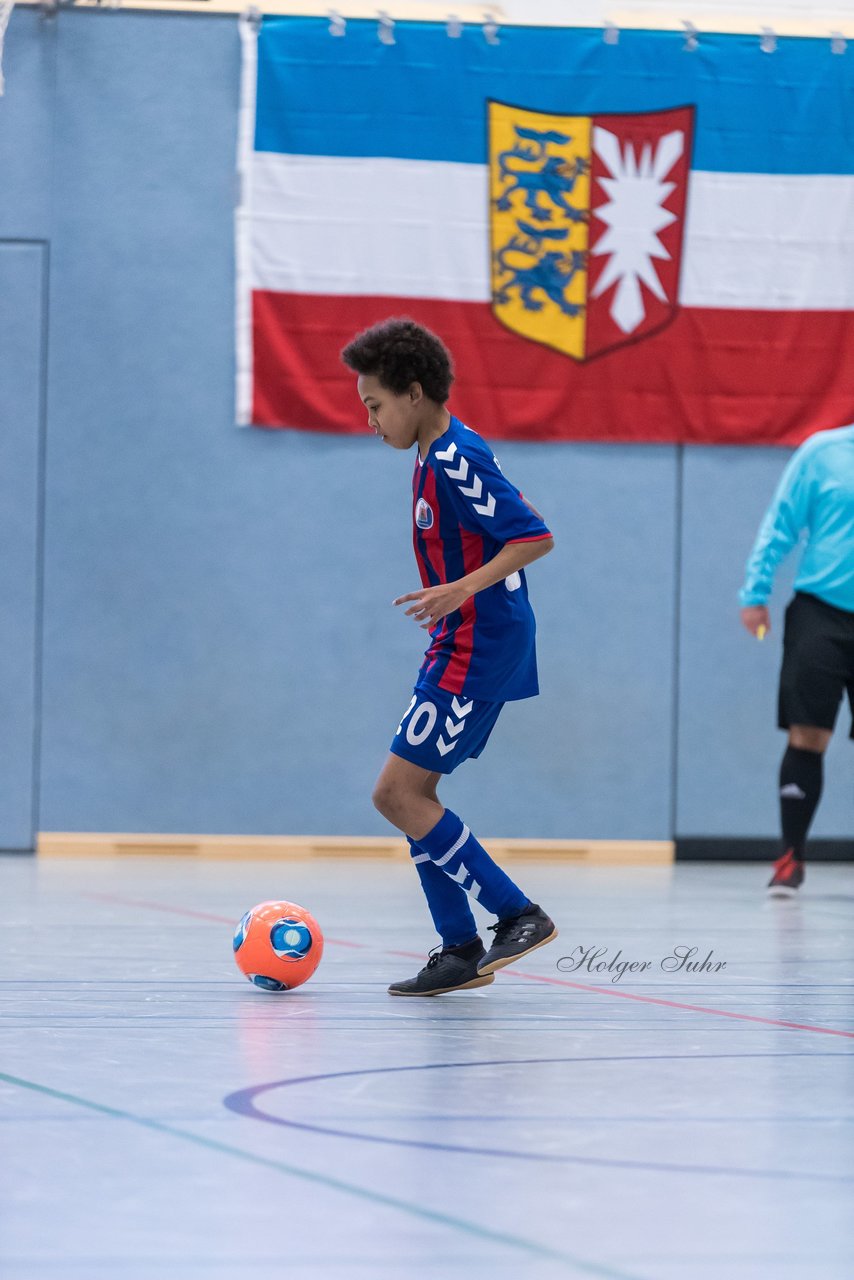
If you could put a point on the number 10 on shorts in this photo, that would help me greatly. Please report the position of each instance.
(440, 731)
(422, 723)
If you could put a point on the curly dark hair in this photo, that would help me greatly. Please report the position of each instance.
(399, 352)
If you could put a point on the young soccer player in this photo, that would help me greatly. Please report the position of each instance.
(474, 534)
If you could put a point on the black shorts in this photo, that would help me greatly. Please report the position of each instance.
(818, 663)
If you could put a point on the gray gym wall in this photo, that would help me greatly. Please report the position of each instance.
(196, 630)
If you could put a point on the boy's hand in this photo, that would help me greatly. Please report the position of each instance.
(433, 603)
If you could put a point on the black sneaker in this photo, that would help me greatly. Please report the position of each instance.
(451, 969)
(787, 878)
(517, 936)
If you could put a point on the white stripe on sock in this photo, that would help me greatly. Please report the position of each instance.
(446, 857)
(420, 857)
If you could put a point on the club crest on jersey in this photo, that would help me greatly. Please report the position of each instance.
(423, 514)
(586, 217)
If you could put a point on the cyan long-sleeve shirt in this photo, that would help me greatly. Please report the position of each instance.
(815, 496)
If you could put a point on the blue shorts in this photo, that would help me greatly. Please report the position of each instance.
(440, 730)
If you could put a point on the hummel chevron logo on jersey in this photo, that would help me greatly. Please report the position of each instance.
(447, 455)
(459, 709)
(485, 508)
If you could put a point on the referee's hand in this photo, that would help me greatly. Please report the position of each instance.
(757, 620)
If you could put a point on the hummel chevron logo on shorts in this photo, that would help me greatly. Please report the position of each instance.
(453, 727)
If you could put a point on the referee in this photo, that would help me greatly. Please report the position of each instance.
(815, 497)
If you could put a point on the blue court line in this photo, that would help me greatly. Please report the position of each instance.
(430, 1265)
(243, 1103)
(573, 1118)
(324, 1180)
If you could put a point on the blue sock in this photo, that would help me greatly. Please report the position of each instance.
(454, 850)
(448, 904)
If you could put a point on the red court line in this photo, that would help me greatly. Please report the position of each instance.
(676, 1004)
(531, 977)
(196, 915)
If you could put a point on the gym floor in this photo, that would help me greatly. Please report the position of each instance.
(162, 1119)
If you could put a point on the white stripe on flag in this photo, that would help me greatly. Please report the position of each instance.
(418, 229)
(769, 241)
(244, 220)
(406, 228)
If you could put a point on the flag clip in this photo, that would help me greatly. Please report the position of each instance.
(385, 28)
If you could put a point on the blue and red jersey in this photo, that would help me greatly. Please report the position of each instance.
(464, 511)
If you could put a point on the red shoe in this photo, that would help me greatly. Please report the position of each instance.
(787, 878)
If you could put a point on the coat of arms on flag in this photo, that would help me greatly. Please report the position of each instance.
(586, 224)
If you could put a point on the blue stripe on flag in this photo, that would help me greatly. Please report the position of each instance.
(424, 97)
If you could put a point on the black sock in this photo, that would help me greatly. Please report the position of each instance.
(801, 774)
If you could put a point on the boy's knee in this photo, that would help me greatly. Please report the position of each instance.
(385, 798)
(808, 738)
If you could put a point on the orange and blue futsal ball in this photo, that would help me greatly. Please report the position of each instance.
(278, 945)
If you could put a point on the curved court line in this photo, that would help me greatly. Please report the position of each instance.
(334, 1184)
(242, 1101)
(531, 977)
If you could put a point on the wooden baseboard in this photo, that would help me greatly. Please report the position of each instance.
(88, 844)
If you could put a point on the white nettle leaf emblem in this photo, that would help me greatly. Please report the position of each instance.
(634, 216)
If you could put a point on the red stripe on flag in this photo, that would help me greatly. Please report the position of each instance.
(709, 377)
